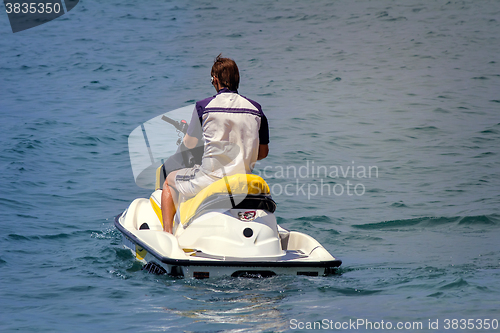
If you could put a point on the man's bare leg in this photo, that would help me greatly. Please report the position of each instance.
(168, 202)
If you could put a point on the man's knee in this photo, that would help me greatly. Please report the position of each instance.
(170, 180)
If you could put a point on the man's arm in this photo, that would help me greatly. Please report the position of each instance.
(194, 131)
(191, 141)
(263, 138)
(263, 151)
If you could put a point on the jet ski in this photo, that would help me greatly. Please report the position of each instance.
(227, 229)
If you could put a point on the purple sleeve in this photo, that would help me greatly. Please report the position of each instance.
(264, 126)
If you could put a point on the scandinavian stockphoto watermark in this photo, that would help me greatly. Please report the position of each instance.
(152, 143)
(360, 324)
(26, 14)
(311, 179)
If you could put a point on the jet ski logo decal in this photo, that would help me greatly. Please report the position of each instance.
(247, 216)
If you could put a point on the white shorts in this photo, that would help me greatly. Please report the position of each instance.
(190, 181)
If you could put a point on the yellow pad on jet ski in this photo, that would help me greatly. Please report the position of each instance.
(236, 184)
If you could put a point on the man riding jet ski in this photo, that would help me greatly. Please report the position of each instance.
(235, 134)
(209, 216)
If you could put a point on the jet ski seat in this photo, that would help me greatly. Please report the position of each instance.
(240, 191)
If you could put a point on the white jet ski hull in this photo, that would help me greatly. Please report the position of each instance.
(271, 250)
(227, 229)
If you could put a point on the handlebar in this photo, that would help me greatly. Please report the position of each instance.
(179, 125)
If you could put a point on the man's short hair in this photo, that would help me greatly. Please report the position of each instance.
(226, 71)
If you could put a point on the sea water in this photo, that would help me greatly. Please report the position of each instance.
(385, 135)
